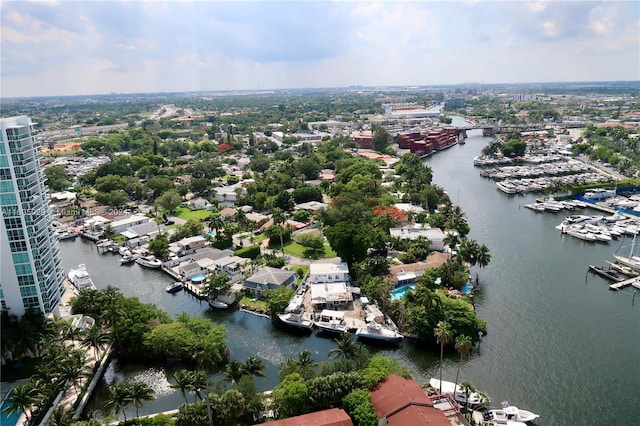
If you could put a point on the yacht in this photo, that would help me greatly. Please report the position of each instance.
(66, 234)
(296, 320)
(512, 413)
(600, 194)
(473, 400)
(127, 258)
(149, 260)
(80, 278)
(376, 331)
(331, 321)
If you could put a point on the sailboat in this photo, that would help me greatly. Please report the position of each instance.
(632, 260)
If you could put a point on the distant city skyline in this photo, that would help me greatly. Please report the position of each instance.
(69, 48)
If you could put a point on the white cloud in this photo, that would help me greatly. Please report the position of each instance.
(99, 47)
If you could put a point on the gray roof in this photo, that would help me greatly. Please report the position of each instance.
(211, 253)
(268, 275)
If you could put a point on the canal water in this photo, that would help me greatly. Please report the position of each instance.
(559, 342)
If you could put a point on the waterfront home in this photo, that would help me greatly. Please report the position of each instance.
(320, 272)
(329, 417)
(120, 225)
(434, 235)
(188, 245)
(403, 402)
(268, 278)
(233, 266)
(141, 234)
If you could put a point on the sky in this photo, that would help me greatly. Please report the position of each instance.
(55, 48)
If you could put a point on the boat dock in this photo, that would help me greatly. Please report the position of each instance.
(625, 283)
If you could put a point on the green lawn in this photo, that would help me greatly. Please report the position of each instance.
(295, 249)
(188, 214)
(256, 305)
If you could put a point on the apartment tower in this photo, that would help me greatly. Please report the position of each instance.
(30, 271)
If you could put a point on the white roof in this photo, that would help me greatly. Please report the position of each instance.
(322, 292)
(328, 268)
(332, 313)
(131, 219)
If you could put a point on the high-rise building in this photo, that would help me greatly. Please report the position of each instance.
(30, 271)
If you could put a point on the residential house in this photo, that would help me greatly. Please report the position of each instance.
(330, 417)
(328, 272)
(435, 235)
(198, 203)
(141, 234)
(399, 401)
(330, 285)
(187, 245)
(268, 278)
(122, 224)
(311, 206)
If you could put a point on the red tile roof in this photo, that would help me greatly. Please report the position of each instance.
(331, 417)
(403, 402)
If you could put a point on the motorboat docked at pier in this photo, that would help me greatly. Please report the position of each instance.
(607, 273)
(296, 320)
(127, 258)
(174, 288)
(331, 321)
(80, 278)
(218, 304)
(473, 399)
(512, 413)
(149, 260)
(376, 331)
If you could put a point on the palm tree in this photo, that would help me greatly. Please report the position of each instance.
(463, 346)
(21, 400)
(120, 396)
(183, 381)
(254, 366)
(467, 388)
(234, 371)
(96, 337)
(305, 359)
(443, 335)
(108, 232)
(483, 257)
(215, 222)
(61, 417)
(450, 239)
(346, 347)
(279, 219)
(141, 392)
(198, 382)
(72, 370)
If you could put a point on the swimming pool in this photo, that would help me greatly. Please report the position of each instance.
(5, 419)
(398, 293)
(198, 278)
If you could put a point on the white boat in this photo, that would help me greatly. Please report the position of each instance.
(447, 387)
(331, 321)
(600, 194)
(122, 250)
(174, 288)
(376, 331)
(218, 304)
(512, 413)
(66, 234)
(297, 320)
(506, 188)
(127, 258)
(578, 232)
(149, 260)
(486, 418)
(80, 278)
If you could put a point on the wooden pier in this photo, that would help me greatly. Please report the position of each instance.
(625, 283)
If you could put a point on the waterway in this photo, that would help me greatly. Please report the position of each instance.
(559, 342)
